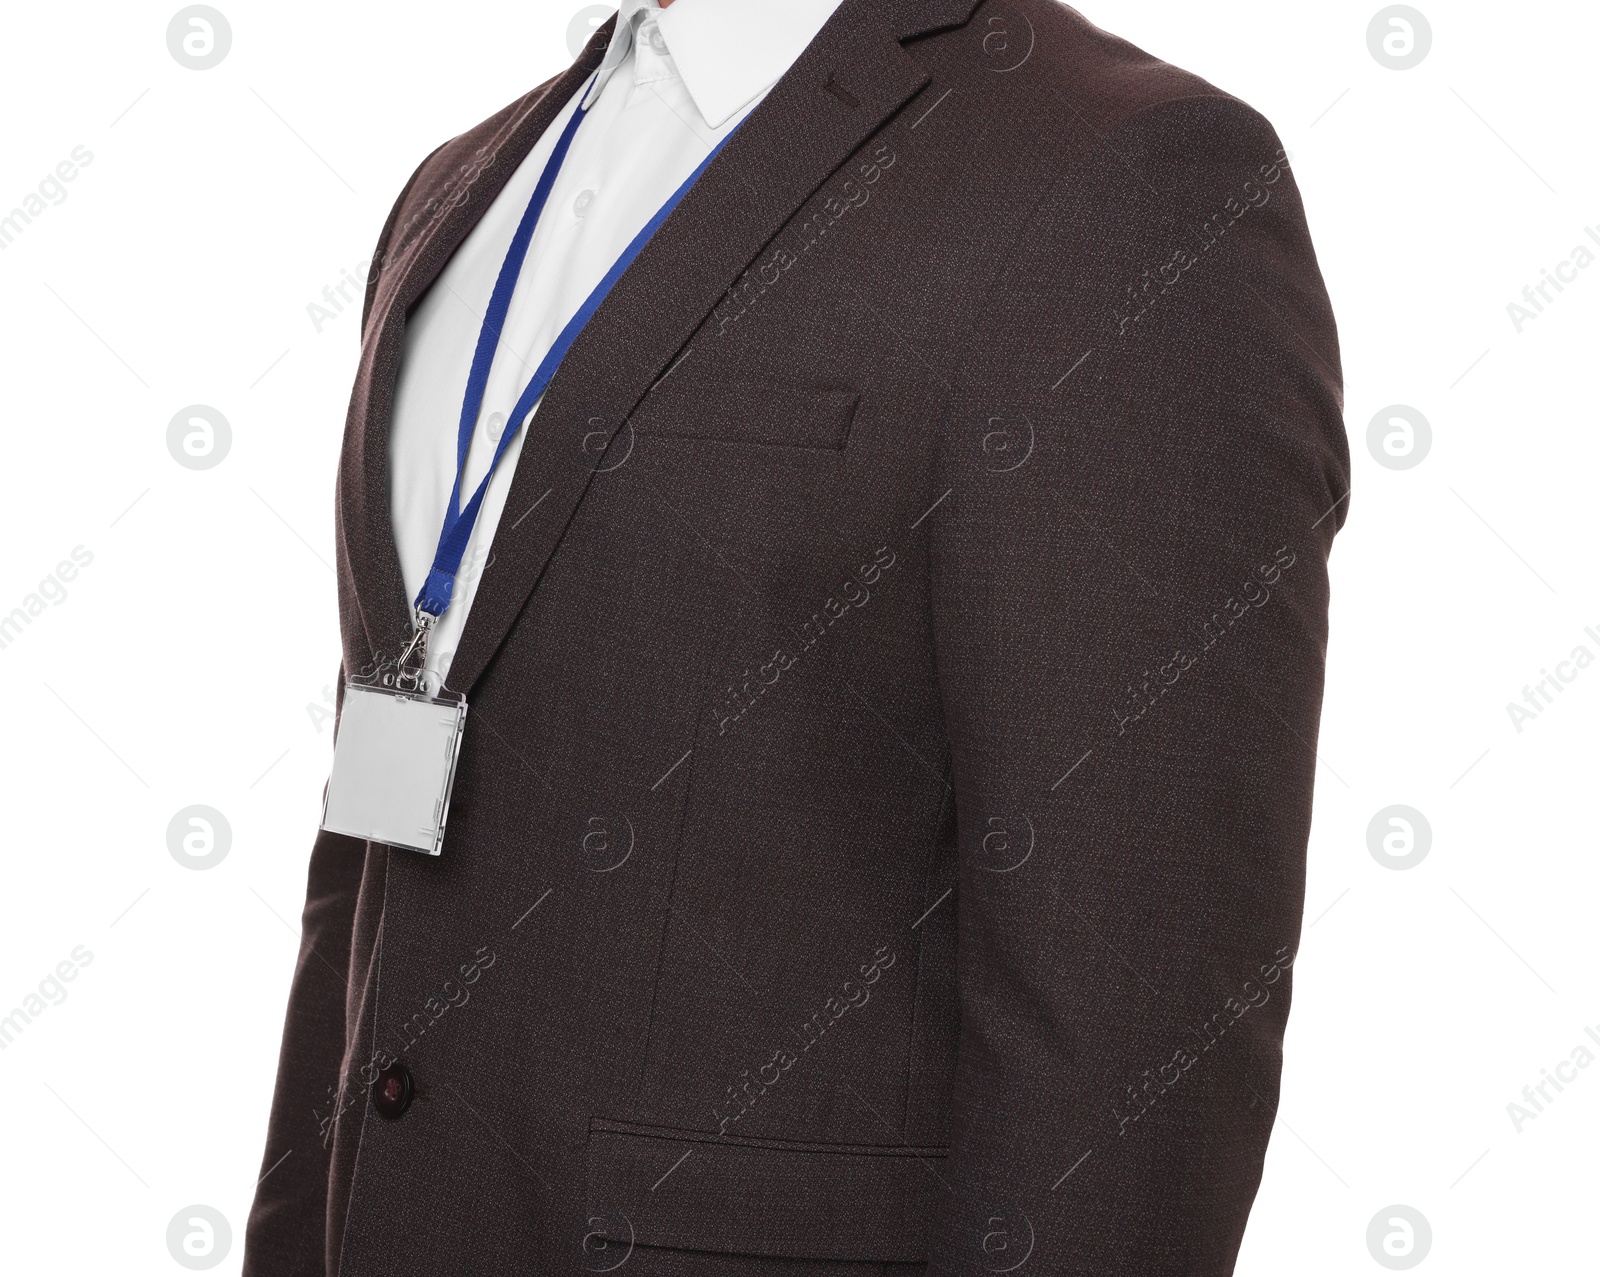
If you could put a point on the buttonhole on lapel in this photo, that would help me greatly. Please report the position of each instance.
(839, 91)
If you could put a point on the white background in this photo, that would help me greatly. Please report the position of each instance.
(188, 662)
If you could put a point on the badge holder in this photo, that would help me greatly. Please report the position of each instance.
(394, 758)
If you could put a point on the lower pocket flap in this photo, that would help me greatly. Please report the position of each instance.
(660, 1187)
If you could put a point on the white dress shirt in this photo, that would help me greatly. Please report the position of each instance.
(674, 82)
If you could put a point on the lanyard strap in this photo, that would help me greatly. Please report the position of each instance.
(434, 597)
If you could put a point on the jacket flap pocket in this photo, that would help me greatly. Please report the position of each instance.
(660, 1187)
(778, 414)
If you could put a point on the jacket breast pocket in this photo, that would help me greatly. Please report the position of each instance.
(774, 1198)
(770, 413)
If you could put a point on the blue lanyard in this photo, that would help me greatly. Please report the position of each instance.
(434, 597)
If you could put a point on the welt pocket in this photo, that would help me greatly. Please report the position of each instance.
(658, 1186)
(777, 414)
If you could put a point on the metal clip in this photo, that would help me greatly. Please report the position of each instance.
(411, 676)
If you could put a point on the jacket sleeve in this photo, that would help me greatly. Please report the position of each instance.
(284, 1237)
(1145, 465)
(286, 1232)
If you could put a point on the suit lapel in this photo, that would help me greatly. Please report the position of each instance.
(415, 251)
(851, 78)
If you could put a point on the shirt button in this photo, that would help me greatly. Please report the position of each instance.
(658, 42)
(392, 1091)
(580, 206)
(495, 426)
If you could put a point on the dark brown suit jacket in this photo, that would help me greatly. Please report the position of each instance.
(879, 835)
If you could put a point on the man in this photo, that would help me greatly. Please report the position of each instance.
(893, 651)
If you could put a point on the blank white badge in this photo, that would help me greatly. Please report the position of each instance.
(394, 760)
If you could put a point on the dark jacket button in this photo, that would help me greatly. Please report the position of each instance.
(392, 1091)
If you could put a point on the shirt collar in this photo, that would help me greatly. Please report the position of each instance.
(729, 52)
(629, 15)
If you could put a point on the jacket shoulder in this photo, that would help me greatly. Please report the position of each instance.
(1093, 79)
(1108, 78)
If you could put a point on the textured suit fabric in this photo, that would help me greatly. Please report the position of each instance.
(879, 837)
